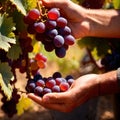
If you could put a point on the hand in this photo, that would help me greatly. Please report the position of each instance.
(81, 90)
(74, 13)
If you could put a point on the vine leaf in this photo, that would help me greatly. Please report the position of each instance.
(23, 104)
(5, 77)
(116, 4)
(30, 4)
(14, 52)
(6, 28)
(19, 5)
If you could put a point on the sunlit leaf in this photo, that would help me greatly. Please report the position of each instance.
(6, 27)
(5, 77)
(116, 4)
(23, 104)
(19, 5)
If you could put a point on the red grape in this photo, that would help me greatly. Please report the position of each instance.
(53, 14)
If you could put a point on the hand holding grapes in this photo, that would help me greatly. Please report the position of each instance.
(88, 22)
(74, 13)
(81, 90)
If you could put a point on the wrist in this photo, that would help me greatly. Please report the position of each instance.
(108, 83)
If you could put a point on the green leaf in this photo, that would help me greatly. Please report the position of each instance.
(14, 52)
(23, 104)
(19, 5)
(5, 77)
(6, 28)
(30, 4)
(116, 4)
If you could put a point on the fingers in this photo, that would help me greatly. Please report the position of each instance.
(54, 3)
(54, 101)
(55, 97)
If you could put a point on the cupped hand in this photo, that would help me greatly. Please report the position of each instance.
(81, 90)
(74, 13)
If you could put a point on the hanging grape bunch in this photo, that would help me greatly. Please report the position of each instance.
(51, 29)
(56, 83)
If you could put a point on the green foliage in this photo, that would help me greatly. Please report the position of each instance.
(5, 77)
(6, 27)
(14, 52)
(19, 5)
(100, 44)
(116, 4)
(23, 104)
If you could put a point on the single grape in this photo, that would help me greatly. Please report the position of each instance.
(37, 77)
(56, 88)
(50, 24)
(40, 83)
(41, 64)
(38, 91)
(69, 77)
(39, 27)
(46, 90)
(64, 86)
(58, 41)
(70, 81)
(49, 47)
(61, 22)
(52, 33)
(50, 83)
(40, 56)
(34, 14)
(69, 40)
(65, 31)
(53, 14)
(28, 20)
(30, 87)
(60, 52)
(58, 80)
(56, 75)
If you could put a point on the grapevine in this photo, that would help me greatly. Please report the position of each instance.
(24, 23)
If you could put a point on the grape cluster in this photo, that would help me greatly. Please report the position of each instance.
(41, 85)
(9, 106)
(36, 63)
(51, 29)
(111, 61)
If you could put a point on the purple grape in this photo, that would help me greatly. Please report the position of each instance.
(69, 40)
(49, 47)
(50, 83)
(30, 87)
(34, 14)
(31, 29)
(39, 27)
(69, 77)
(40, 83)
(70, 81)
(53, 14)
(58, 80)
(56, 75)
(52, 33)
(56, 88)
(51, 24)
(61, 22)
(46, 90)
(58, 41)
(38, 91)
(65, 31)
(60, 52)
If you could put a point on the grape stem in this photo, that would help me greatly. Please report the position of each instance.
(93, 60)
